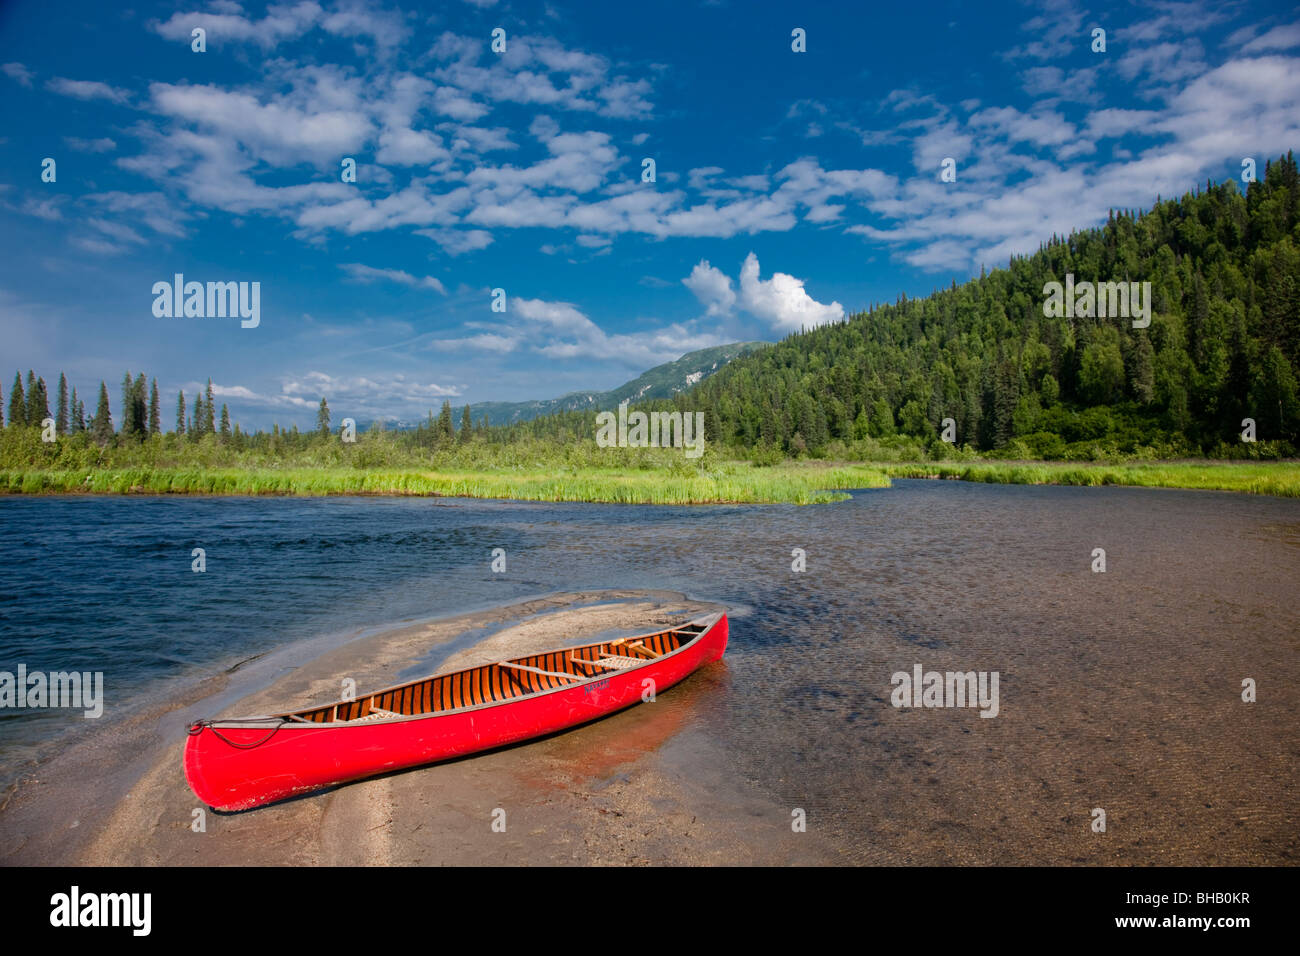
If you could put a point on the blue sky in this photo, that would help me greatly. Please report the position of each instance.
(791, 188)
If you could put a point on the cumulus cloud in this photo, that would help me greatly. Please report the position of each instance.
(781, 301)
(712, 287)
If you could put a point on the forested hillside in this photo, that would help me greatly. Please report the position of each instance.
(1223, 345)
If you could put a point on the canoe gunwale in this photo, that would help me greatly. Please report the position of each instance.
(287, 723)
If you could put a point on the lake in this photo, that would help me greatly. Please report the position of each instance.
(1118, 690)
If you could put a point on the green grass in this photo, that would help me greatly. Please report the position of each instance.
(805, 482)
(728, 483)
(1260, 478)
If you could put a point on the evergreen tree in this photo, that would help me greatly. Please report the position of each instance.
(29, 413)
(323, 418)
(128, 405)
(17, 402)
(140, 399)
(38, 403)
(209, 411)
(180, 412)
(155, 410)
(466, 425)
(61, 422)
(225, 423)
(72, 415)
(196, 423)
(445, 428)
(101, 428)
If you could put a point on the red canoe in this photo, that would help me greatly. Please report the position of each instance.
(245, 762)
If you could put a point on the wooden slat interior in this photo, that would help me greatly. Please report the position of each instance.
(490, 683)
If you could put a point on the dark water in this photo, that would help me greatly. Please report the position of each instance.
(1118, 690)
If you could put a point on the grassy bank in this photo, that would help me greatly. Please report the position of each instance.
(803, 482)
(1260, 478)
(730, 482)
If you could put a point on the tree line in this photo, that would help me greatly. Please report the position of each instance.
(140, 416)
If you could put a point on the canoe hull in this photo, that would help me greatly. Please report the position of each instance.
(241, 767)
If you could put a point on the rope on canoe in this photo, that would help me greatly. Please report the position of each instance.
(198, 725)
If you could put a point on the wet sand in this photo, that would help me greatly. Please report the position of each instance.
(640, 787)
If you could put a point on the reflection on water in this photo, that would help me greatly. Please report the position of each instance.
(1118, 690)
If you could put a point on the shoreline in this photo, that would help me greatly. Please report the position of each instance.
(607, 792)
(733, 483)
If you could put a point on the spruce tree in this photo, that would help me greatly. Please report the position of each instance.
(323, 417)
(128, 405)
(29, 412)
(38, 404)
(445, 429)
(466, 424)
(101, 428)
(225, 423)
(72, 413)
(140, 400)
(61, 422)
(196, 422)
(209, 411)
(17, 403)
(155, 411)
(180, 413)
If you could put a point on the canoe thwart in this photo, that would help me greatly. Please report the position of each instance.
(538, 670)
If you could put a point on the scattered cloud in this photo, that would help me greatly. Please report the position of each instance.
(88, 90)
(102, 145)
(18, 73)
(367, 274)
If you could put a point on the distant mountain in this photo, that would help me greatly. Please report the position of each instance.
(662, 381)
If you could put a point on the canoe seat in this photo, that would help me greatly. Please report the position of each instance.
(617, 662)
(377, 713)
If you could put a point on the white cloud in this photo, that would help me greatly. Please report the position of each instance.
(712, 287)
(1279, 38)
(458, 241)
(280, 23)
(486, 342)
(18, 73)
(782, 301)
(103, 145)
(368, 274)
(87, 90)
(360, 394)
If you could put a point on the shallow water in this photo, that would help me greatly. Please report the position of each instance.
(1118, 690)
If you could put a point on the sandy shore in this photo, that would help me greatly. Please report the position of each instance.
(641, 787)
